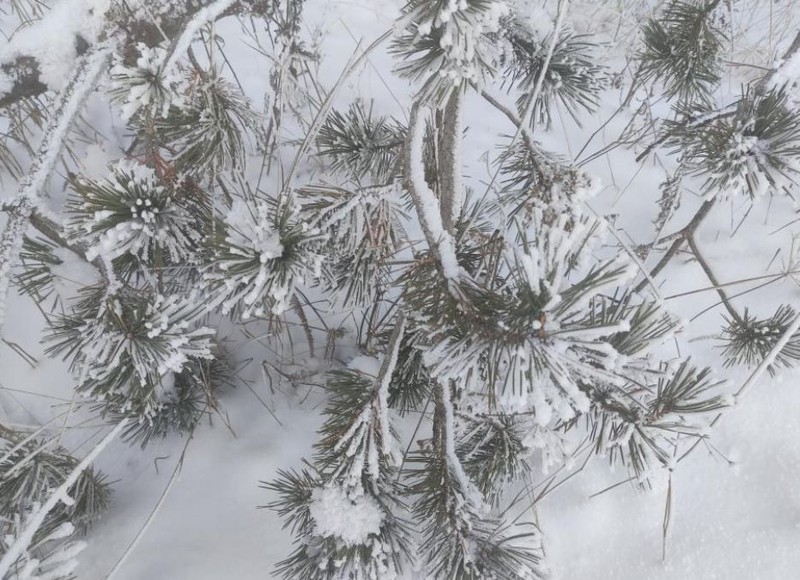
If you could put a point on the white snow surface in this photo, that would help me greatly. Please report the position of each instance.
(735, 501)
(338, 514)
(61, 25)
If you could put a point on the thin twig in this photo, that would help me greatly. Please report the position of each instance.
(140, 534)
(298, 309)
(680, 238)
(712, 278)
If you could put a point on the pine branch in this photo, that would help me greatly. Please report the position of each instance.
(322, 114)
(58, 495)
(384, 379)
(411, 384)
(766, 363)
(698, 122)
(263, 251)
(447, 45)
(493, 452)
(353, 478)
(682, 48)
(361, 144)
(527, 136)
(460, 541)
(524, 121)
(357, 437)
(450, 188)
(365, 230)
(573, 78)
(31, 467)
(428, 207)
(749, 340)
(680, 238)
(563, 7)
(31, 190)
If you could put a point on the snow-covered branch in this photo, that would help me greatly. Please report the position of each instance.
(60, 494)
(430, 214)
(31, 190)
(206, 14)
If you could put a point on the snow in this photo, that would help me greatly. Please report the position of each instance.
(61, 26)
(427, 205)
(369, 365)
(351, 520)
(201, 18)
(616, 535)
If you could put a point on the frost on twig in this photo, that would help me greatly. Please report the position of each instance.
(32, 525)
(31, 190)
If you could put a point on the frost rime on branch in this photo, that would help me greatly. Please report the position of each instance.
(84, 79)
(59, 495)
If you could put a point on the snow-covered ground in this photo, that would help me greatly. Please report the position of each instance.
(187, 509)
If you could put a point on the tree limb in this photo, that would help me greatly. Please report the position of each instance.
(450, 161)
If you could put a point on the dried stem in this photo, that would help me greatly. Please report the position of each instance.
(712, 278)
(680, 237)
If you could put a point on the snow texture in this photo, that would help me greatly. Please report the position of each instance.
(351, 520)
(203, 16)
(63, 25)
(427, 205)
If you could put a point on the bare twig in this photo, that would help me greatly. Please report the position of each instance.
(680, 237)
(140, 534)
(712, 278)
